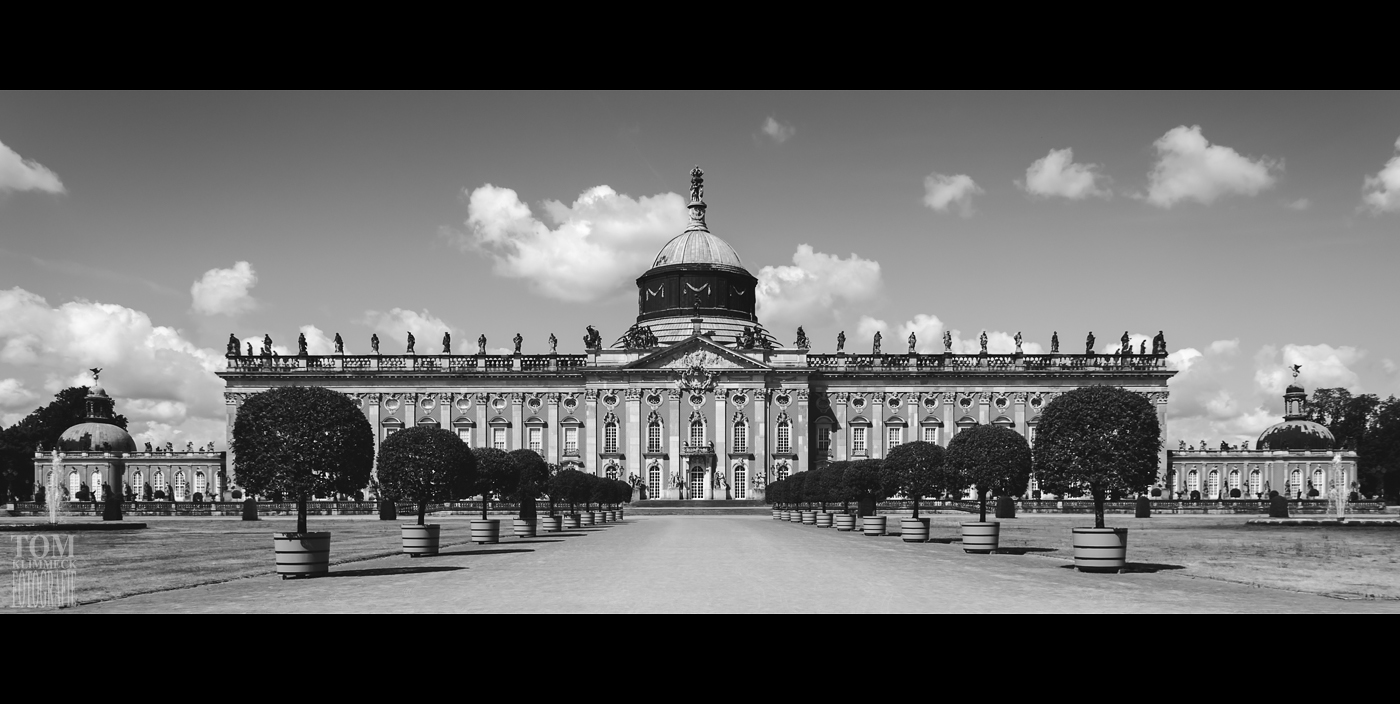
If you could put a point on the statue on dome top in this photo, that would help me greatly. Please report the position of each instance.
(697, 185)
(339, 344)
(1296, 369)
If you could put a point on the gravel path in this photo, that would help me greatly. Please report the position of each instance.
(727, 564)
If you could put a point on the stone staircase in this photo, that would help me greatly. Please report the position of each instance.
(662, 507)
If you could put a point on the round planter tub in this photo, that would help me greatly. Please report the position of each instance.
(612, 516)
(809, 518)
(824, 520)
(873, 525)
(845, 522)
(550, 524)
(487, 531)
(420, 540)
(572, 521)
(302, 554)
(588, 519)
(524, 528)
(913, 530)
(981, 538)
(777, 515)
(787, 516)
(1100, 549)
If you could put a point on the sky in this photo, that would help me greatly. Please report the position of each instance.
(1256, 230)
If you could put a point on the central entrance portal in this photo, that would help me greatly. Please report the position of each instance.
(697, 483)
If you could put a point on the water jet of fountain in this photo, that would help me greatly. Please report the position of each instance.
(1339, 486)
(53, 486)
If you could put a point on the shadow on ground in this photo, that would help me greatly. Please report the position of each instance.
(1140, 568)
(482, 552)
(1024, 551)
(389, 571)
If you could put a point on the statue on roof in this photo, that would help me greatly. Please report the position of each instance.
(802, 342)
(593, 340)
(841, 341)
(447, 343)
(481, 345)
(518, 340)
(913, 341)
(983, 340)
(947, 341)
(250, 349)
(233, 346)
(1055, 342)
(411, 342)
(553, 344)
(1018, 342)
(876, 350)
(301, 344)
(1089, 344)
(1127, 344)
(697, 185)
(339, 344)
(1159, 344)
(374, 342)
(267, 346)
(1142, 348)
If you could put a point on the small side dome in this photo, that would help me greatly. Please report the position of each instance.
(1296, 435)
(96, 437)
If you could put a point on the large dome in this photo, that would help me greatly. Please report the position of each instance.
(1296, 434)
(697, 246)
(96, 437)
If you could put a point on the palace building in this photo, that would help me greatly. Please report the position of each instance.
(696, 399)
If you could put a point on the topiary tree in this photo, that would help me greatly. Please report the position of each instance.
(991, 458)
(300, 441)
(146, 494)
(796, 490)
(424, 464)
(916, 470)
(565, 486)
(532, 480)
(496, 475)
(865, 483)
(1095, 440)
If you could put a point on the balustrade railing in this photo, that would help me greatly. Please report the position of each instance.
(456, 364)
(986, 362)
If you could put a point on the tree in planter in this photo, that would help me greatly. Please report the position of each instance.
(916, 470)
(1095, 440)
(532, 480)
(565, 486)
(146, 494)
(866, 484)
(773, 494)
(423, 465)
(796, 490)
(300, 441)
(993, 459)
(496, 475)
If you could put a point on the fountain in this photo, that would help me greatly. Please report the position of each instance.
(53, 486)
(1339, 486)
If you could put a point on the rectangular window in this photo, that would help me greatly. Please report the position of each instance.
(784, 438)
(931, 434)
(741, 443)
(465, 434)
(654, 437)
(1030, 435)
(697, 433)
(824, 439)
(858, 440)
(537, 439)
(894, 436)
(610, 437)
(498, 438)
(571, 441)
(390, 430)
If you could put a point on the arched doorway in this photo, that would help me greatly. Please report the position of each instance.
(697, 482)
(741, 481)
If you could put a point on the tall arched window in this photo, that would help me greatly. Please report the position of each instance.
(741, 436)
(158, 481)
(1256, 483)
(75, 485)
(697, 432)
(741, 481)
(1232, 480)
(610, 436)
(1193, 481)
(1319, 482)
(181, 486)
(1213, 484)
(1295, 482)
(96, 486)
(137, 482)
(201, 484)
(653, 481)
(785, 436)
(654, 436)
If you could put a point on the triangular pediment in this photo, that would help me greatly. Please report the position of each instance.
(697, 351)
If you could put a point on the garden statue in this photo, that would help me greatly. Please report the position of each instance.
(1089, 345)
(1180, 445)
(877, 342)
(374, 342)
(1159, 344)
(802, 342)
(983, 340)
(339, 344)
(301, 344)
(1204, 446)
(1018, 342)
(518, 339)
(481, 345)
(250, 349)
(553, 344)
(675, 479)
(447, 343)
(1055, 342)
(912, 342)
(1244, 446)
(840, 341)
(267, 346)
(947, 341)
(233, 346)
(1127, 344)
(411, 342)
(169, 446)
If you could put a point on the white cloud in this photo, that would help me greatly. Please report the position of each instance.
(1135, 339)
(1190, 168)
(595, 248)
(1389, 366)
(20, 174)
(815, 287)
(393, 328)
(225, 291)
(14, 396)
(154, 373)
(1300, 204)
(316, 340)
(1323, 366)
(778, 131)
(944, 192)
(928, 332)
(1383, 190)
(1056, 174)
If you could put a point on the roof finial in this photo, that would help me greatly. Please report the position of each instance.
(697, 197)
(95, 372)
(1297, 368)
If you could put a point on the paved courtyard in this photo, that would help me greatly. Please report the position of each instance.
(724, 564)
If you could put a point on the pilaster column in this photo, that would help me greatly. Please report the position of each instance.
(673, 461)
(877, 424)
(481, 433)
(842, 429)
(760, 422)
(517, 422)
(634, 435)
(800, 431)
(718, 427)
(594, 432)
(555, 436)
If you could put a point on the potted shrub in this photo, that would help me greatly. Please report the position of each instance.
(1095, 440)
(832, 479)
(112, 507)
(992, 459)
(565, 486)
(496, 475)
(916, 469)
(300, 441)
(422, 465)
(532, 481)
(796, 493)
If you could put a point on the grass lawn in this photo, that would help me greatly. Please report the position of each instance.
(1326, 560)
(185, 552)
